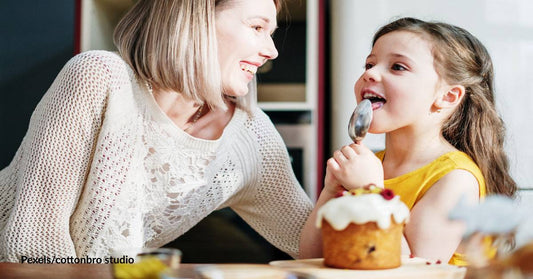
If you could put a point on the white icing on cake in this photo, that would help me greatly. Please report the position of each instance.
(360, 209)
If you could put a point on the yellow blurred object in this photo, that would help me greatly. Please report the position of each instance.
(149, 267)
(484, 252)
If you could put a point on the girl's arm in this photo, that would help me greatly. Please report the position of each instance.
(429, 232)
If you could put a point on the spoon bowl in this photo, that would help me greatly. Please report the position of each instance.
(360, 121)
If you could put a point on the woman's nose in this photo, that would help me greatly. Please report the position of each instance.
(269, 51)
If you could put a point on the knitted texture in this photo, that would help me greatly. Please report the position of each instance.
(102, 169)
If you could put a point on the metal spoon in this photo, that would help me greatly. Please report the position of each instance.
(360, 121)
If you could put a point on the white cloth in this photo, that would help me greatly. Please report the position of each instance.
(102, 168)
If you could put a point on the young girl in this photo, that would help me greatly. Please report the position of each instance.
(431, 87)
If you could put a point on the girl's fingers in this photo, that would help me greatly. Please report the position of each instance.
(333, 165)
(339, 156)
(359, 148)
(348, 152)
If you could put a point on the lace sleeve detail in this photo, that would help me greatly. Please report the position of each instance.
(52, 164)
(276, 206)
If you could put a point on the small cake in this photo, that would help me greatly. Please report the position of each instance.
(362, 229)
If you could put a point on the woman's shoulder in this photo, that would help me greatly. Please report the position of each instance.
(258, 119)
(99, 63)
(98, 68)
(256, 123)
(250, 117)
(90, 74)
(98, 56)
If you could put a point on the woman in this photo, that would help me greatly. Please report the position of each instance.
(133, 149)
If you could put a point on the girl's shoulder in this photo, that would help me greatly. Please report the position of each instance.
(449, 160)
(456, 160)
(457, 168)
(460, 158)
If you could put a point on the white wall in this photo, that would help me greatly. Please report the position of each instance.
(504, 26)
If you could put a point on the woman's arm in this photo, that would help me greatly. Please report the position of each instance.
(311, 236)
(429, 232)
(352, 166)
(273, 202)
(54, 159)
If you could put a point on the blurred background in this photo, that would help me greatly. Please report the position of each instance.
(307, 91)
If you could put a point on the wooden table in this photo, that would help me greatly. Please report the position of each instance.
(70, 271)
(411, 269)
(105, 271)
(55, 271)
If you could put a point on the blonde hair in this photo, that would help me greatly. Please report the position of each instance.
(172, 44)
(475, 126)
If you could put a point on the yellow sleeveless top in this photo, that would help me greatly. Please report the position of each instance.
(412, 186)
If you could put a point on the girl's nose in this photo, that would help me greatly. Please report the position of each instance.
(372, 75)
(269, 51)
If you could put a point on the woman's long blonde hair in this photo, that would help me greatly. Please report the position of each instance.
(475, 127)
(172, 45)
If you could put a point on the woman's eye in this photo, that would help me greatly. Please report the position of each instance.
(398, 67)
(257, 27)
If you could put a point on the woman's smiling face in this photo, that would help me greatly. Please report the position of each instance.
(244, 29)
(400, 79)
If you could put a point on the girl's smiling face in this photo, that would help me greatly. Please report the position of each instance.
(401, 81)
(244, 30)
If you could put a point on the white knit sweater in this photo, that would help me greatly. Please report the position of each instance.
(102, 169)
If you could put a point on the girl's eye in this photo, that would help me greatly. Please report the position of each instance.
(398, 67)
(257, 27)
(368, 66)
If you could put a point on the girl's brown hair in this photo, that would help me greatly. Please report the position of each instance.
(172, 44)
(474, 127)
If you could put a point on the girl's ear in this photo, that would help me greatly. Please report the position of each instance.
(450, 98)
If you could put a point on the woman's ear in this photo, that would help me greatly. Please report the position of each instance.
(450, 98)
